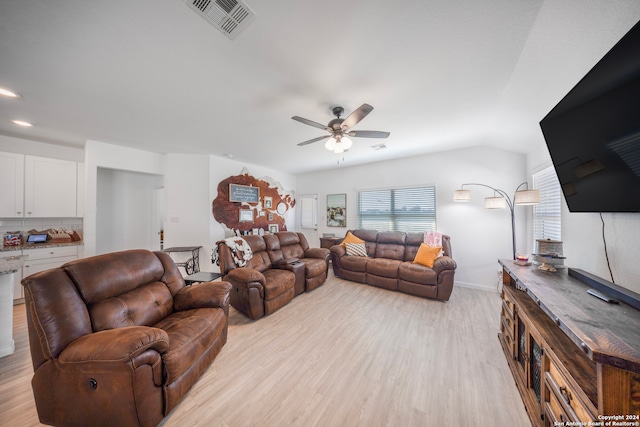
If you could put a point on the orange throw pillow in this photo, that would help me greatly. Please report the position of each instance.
(427, 255)
(350, 238)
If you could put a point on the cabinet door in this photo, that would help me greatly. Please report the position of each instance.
(50, 187)
(11, 190)
(35, 266)
(18, 292)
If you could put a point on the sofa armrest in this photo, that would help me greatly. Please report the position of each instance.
(338, 250)
(321, 253)
(115, 345)
(245, 275)
(202, 295)
(444, 263)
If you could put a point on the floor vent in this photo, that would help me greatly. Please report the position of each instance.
(229, 16)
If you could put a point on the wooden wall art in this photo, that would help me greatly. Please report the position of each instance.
(245, 204)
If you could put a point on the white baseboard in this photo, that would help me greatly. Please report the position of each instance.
(8, 349)
(477, 286)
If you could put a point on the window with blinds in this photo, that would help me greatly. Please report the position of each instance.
(308, 208)
(398, 209)
(547, 214)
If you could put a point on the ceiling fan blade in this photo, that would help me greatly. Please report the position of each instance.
(368, 134)
(311, 123)
(320, 138)
(357, 115)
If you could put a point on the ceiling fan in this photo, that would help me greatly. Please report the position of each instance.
(339, 129)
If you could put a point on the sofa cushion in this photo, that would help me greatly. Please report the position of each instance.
(314, 266)
(190, 332)
(143, 306)
(383, 267)
(354, 263)
(413, 242)
(278, 282)
(356, 249)
(427, 255)
(417, 273)
(127, 270)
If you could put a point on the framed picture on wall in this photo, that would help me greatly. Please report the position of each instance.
(336, 210)
(273, 228)
(246, 215)
(267, 202)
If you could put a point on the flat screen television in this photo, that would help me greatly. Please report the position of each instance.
(593, 134)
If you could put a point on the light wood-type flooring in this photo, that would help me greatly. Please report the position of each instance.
(345, 354)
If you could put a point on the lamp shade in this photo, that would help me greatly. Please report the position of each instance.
(346, 143)
(527, 197)
(339, 148)
(495, 203)
(462, 195)
(330, 144)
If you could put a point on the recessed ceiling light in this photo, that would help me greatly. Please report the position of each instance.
(7, 92)
(22, 123)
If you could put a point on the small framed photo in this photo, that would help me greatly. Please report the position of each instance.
(270, 217)
(246, 215)
(273, 228)
(267, 202)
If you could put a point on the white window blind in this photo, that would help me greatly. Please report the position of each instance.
(398, 209)
(547, 214)
(308, 211)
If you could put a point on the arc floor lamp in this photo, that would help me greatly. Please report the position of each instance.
(501, 200)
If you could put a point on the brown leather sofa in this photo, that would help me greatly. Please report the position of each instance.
(389, 264)
(282, 267)
(118, 339)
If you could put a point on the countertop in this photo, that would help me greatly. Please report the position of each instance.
(27, 246)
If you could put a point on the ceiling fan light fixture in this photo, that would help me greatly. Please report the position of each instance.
(330, 144)
(339, 148)
(346, 143)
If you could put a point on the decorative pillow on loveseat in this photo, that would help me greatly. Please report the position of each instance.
(350, 238)
(356, 249)
(427, 255)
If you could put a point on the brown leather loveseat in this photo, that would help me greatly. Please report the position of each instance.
(118, 339)
(389, 264)
(282, 266)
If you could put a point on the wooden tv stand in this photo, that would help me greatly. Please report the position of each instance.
(574, 357)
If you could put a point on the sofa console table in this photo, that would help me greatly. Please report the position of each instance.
(574, 358)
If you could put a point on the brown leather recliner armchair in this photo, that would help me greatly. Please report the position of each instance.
(118, 339)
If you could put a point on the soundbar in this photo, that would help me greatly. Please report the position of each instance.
(605, 287)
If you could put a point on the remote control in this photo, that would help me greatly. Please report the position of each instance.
(603, 297)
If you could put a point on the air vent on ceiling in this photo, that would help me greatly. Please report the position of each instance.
(228, 16)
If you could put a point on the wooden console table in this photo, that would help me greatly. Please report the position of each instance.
(327, 242)
(574, 358)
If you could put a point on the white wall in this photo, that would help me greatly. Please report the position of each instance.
(187, 205)
(478, 236)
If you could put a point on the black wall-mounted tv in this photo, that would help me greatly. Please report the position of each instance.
(593, 134)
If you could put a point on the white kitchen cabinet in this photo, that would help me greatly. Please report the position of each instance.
(50, 187)
(11, 190)
(46, 258)
(18, 292)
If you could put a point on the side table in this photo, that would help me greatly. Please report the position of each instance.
(201, 276)
(191, 265)
(327, 242)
